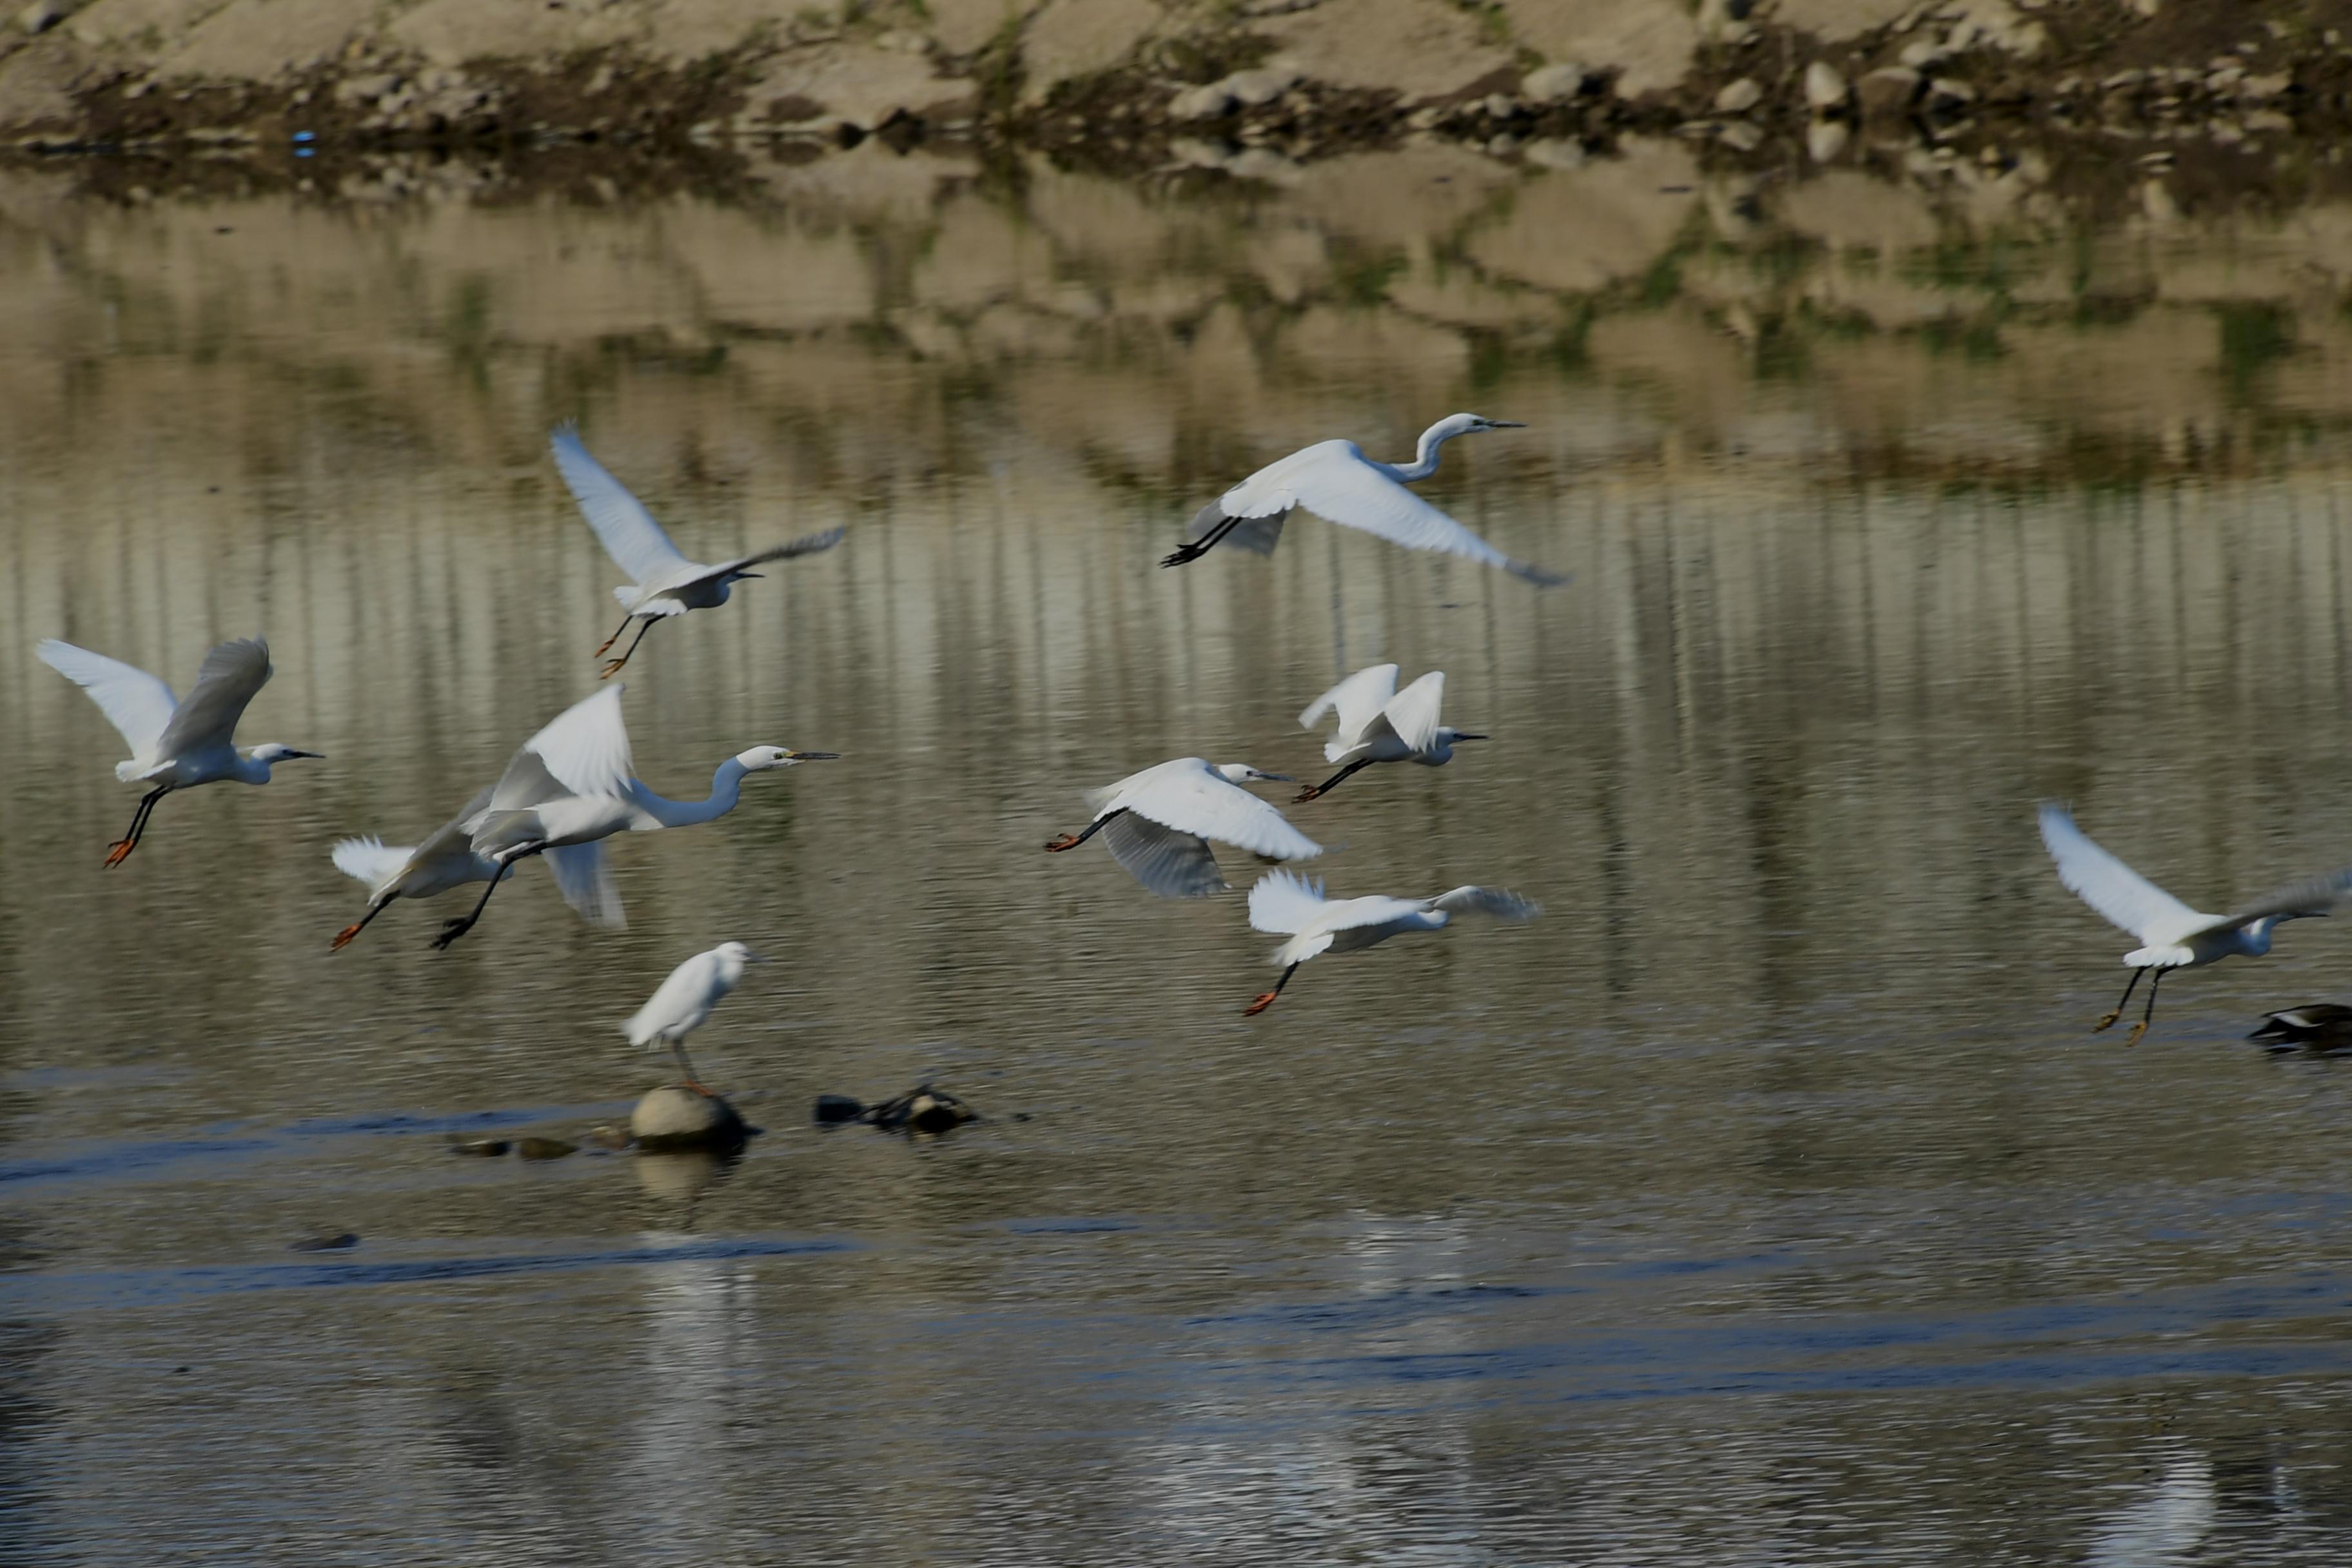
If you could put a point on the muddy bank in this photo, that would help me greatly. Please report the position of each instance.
(1132, 85)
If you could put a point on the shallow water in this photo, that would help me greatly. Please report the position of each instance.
(1766, 1202)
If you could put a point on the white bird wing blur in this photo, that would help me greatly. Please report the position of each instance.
(1358, 699)
(371, 859)
(627, 531)
(806, 545)
(585, 880)
(1336, 481)
(2314, 896)
(1284, 902)
(138, 705)
(1413, 713)
(1198, 801)
(2126, 900)
(1500, 902)
(1258, 535)
(226, 681)
(1171, 864)
(586, 748)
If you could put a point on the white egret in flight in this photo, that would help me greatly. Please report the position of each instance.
(1336, 482)
(1288, 904)
(2172, 935)
(174, 744)
(1378, 723)
(666, 583)
(1158, 823)
(685, 999)
(448, 859)
(571, 784)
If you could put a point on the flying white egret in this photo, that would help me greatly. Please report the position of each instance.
(2173, 935)
(571, 784)
(175, 744)
(1288, 904)
(1378, 723)
(685, 999)
(1158, 823)
(1336, 482)
(667, 584)
(448, 859)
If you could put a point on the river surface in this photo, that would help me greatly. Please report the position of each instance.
(1768, 1201)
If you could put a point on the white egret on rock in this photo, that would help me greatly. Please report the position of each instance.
(2172, 935)
(666, 583)
(175, 744)
(1336, 482)
(571, 784)
(1158, 823)
(1378, 723)
(1287, 904)
(448, 859)
(685, 999)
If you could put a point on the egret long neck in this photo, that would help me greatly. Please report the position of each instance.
(726, 788)
(1424, 455)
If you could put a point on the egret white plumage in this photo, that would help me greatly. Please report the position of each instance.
(571, 784)
(1378, 723)
(2172, 935)
(1288, 904)
(1336, 482)
(1158, 823)
(175, 743)
(685, 1000)
(667, 584)
(448, 859)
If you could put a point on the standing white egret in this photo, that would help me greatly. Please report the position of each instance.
(1158, 823)
(685, 999)
(571, 784)
(175, 744)
(2173, 935)
(666, 583)
(1336, 481)
(1378, 723)
(448, 859)
(1287, 904)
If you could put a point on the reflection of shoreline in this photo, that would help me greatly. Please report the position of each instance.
(1639, 311)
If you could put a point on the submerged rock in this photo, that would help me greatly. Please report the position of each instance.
(545, 1148)
(920, 1110)
(673, 1117)
(335, 1241)
(831, 1109)
(481, 1148)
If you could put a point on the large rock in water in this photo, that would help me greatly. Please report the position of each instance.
(671, 1118)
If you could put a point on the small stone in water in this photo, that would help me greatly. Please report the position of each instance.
(486, 1148)
(545, 1148)
(675, 1118)
(834, 1109)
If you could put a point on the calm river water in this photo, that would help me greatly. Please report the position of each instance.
(1766, 1202)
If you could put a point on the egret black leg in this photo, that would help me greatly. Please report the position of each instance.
(612, 666)
(1263, 1002)
(120, 850)
(609, 641)
(344, 937)
(677, 1049)
(452, 930)
(1201, 545)
(2147, 1014)
(1072, 840)
(2117, 1011)
(1328, 785)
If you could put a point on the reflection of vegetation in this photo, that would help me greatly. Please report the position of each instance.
(2254, 336)
(1781, 351)
(1361, 277)
(469, 330)
(1978, 339)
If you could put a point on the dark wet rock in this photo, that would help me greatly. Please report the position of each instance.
(2316, 1027)
(674, 1118)
(545, 1148)
(326, 1241)
(920, 1110)
(483, 1148)
(831, 1109)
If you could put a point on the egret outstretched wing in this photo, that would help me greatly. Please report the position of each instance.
(1358, 700)
(807, 544)
(585, 881)
(1171, 864)
(138, 705)
(2127, 900)
(586, 748)
(1284, 902)
(2315, 895)
(628, 531)
(371, 859)
(227, 679)
(1413, 713)
(1191, 797)
(1499, 902)
(1336, 482)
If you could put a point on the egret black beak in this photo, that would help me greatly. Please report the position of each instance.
(1283, 778)
(750, 574)
(813, 757)
(293, 753)
(1507, 424)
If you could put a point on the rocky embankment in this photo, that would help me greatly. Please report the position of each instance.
(1146, 84)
